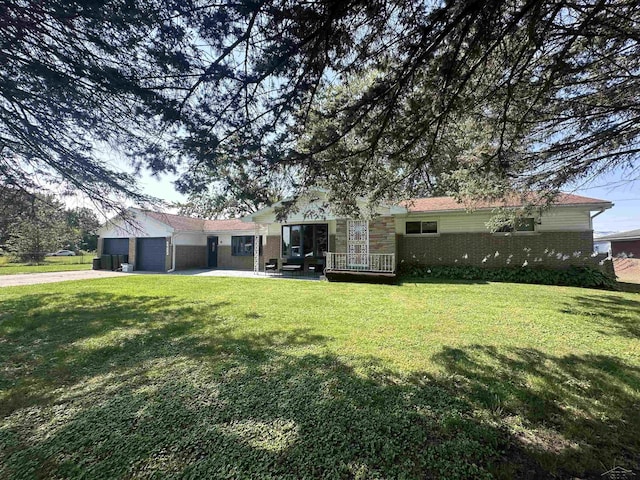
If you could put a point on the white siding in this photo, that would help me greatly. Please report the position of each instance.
(197, 239)
(315, 211)
(557, 219)
(565, 219)
(140, 226)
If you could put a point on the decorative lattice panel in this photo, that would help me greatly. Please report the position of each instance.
(358, 242)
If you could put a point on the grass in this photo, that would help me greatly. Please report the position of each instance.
(178, 377)
(50, 264)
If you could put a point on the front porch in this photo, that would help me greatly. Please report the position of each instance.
(372, 264)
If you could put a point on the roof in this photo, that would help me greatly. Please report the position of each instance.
(226, 225)
(628, 235)
(444, 204)
(177, 222)
(184, 223)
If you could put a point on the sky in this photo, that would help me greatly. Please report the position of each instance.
(625, 195)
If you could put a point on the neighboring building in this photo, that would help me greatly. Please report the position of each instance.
(601, 247)
(428, 231)
(623, 244)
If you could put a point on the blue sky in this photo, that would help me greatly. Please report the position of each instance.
(625, 214)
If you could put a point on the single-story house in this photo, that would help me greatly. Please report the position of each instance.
(623, 244)
(428, 231)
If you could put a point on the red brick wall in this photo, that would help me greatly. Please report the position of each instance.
(271, 249)
(628, 248)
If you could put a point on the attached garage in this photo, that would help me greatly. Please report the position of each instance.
(160, 242)
(115, 246)
(151, 254)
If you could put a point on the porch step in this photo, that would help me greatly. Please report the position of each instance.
(360, 276)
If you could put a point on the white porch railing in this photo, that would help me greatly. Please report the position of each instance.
(358, 262)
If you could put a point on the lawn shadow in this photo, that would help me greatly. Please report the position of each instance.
(576, 415)
(47, 344)
(615, 314)
(180, 390)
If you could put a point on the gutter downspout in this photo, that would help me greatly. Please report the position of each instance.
(602, 210)
(173, 254)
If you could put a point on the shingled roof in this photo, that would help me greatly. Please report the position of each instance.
(628, 235)
(445, 204)
(190, 224)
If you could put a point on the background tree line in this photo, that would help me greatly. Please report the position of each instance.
(31, 226)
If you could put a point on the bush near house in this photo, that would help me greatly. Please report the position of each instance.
(573, 276)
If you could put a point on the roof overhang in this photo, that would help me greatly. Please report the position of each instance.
(135, 212)
(583, 206)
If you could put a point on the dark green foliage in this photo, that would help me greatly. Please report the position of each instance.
(78, 79)
(84, 224)
(573, 276)
(400, 98)
(39, 224)
(378, 98)
(15, 204)
(41, 230)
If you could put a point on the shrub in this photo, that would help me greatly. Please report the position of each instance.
(572, 276)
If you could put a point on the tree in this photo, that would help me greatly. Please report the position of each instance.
(238, 183)
(83, 222)
(44, 230)
(551, 85)
(381, 98)
(14, 205)
(83, 80)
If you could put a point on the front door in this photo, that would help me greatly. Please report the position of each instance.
(212, 249)
(358, 243)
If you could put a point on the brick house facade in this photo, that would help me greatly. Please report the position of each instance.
(430, 231)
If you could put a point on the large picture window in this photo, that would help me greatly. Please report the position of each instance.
(305, 241)
(242, 246)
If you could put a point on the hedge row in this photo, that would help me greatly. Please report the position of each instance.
(572, 276)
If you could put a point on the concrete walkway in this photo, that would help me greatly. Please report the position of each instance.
(52, 277)
(239, 273)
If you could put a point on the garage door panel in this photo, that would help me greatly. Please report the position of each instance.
(151, 254)
(115, 246)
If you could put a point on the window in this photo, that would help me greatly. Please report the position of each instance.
(414, 228)
(429, 227)
(527, 224)
(242, 246)
(305, 241)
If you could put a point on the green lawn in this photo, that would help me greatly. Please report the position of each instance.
(165, 376)
(50, 264)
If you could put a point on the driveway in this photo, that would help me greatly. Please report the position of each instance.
(51, 277)
(627, 269)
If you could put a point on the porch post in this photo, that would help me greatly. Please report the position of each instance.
(256, 249)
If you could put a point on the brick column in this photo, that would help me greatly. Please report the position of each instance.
(132, 251)
(341, 236)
